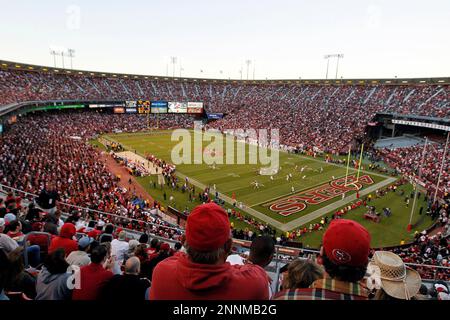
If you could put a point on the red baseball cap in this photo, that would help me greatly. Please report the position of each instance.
(94, 233)
(164, 246)
(346, 242)
(207, 227)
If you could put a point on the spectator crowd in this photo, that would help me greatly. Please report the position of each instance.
(48, 154)
(101, 262)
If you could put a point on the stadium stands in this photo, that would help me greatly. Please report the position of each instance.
(45, 149)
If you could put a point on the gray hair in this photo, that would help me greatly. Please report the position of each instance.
(133, 266)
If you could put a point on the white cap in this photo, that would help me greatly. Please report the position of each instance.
(2, 222)
(235, 259)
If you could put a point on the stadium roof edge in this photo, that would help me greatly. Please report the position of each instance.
(11, 65)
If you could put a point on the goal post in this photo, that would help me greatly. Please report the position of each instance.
(348, 166)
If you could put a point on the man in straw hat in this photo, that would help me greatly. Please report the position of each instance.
(344, 256)
(203, 273)
(396, 280)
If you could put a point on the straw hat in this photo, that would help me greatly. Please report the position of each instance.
(397, 280)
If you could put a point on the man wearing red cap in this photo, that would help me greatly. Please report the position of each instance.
(344, 256)
(203, 273)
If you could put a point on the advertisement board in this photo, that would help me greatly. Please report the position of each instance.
(119, 110)
(178, 107)
(214, 116)
(158, 107)
(195, 107)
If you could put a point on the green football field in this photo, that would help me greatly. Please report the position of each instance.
(238, 181)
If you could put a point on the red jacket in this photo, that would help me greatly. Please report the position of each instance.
(64, 240)
(92, 279)
(39, 239)
(177, 278)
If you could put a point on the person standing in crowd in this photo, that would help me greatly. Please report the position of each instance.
(94, 276)
(344, 256)
(128, 286)
(203, 273)
(119, 247)
(47, 199)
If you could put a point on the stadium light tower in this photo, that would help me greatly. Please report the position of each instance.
(71, 55)
(54, 54)
(248, 62)
(327, 56)
(62, 55)
(339, 56)
(254, 69)
(334, 55)
(173, 60)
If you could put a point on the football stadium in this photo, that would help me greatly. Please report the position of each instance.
(136, 186)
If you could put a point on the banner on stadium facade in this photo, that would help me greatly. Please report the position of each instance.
(214, 116)
(422, 124)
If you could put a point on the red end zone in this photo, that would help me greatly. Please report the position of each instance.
(299, 202)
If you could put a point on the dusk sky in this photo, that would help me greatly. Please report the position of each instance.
(283, 39)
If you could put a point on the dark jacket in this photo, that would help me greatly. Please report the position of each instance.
(47, 199)
(125, 287)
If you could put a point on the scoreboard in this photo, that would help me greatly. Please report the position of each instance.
(158, 107)
(143, 106)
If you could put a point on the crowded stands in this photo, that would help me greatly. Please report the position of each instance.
(100, 263)
(48, 241)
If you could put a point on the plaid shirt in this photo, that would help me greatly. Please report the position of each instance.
(326, 289)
